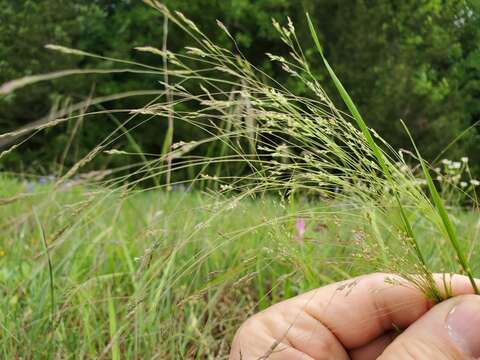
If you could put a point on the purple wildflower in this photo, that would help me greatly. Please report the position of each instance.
(300, 227)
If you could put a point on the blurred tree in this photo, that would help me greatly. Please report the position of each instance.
(418, 60)
(25, 27)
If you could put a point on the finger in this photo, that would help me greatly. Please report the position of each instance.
(449, 331)
(285, 328)
(358, 311)
(243, 349)
(305, 333)
(375, 348)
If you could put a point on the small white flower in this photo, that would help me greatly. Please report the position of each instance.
(463, 184)
(421, 182)
(455, 165)
(437, 169)
(439, 178)
(474, 182)
(446, 162)
(464, 159)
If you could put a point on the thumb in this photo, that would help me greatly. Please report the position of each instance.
(448, 331)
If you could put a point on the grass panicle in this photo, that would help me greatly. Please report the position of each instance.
(164, 256)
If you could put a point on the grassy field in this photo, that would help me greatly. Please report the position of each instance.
(88, 272)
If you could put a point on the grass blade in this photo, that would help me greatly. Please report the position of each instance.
(349, 102)
(449, 228)
(50, 267)
(112, 319)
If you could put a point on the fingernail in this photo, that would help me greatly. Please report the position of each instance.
(463, 323)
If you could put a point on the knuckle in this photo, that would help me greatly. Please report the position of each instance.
(241, 341)
(255, 338)
(247, 327)
(252, 327)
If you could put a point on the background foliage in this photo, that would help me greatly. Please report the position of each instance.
(416, 60)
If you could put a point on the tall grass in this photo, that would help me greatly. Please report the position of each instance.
(134, 269)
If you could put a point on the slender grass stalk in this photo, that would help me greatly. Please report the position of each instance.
(50, 267)
(112, 320)
(167, 143)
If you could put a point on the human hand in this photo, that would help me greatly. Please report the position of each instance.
(362, 319)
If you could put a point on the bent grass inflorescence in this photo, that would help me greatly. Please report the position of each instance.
(291, 195)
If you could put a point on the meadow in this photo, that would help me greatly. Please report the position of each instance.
(89, 272)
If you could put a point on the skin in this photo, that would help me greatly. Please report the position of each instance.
(360, 319)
